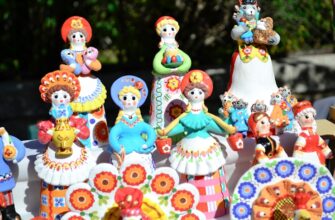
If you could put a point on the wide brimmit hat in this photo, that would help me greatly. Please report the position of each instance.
(59, 78)
(129, 80)
(76, 23)
(197, 76)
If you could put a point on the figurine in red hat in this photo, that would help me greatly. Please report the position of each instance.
(198, 155)
(309, 144)
(82, 61)
(267, 146)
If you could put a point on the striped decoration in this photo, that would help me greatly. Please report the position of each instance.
(214, 194)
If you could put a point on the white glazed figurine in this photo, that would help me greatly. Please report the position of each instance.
(309, 145)
(252, 77)
(65, 161)
(169, 66)
(82, 61)
(131, 136)
(198, 155)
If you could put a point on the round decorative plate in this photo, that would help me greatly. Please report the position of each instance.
(312, 178)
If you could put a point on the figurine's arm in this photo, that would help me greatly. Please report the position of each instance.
(219, 125)
(21, 150)
(186, 63)
(325, 148)
(173, 128)
(260, 155)
(178, 129)
(157, 63)
(151, 135)
(299, 146)
(237, 31)
(114, 139)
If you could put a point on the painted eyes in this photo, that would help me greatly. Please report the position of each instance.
(132, 98)
(56, 96)
(74, 36)
(193, 93)
(64, 96)
(165, 29)
(306, 116)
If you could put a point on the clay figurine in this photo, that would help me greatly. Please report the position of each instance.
(309, 145)
(227, 100)
(279, 115)
(82, 61)
(66, 161)
(198, 155)
(239, 116)
(259, 106)
(267, 145)
(12, 151)
(290, 101)
(127, 135)
(169, 66)
(264, 33)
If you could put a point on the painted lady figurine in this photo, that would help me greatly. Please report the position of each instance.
(169, 66)
(267, 145)
(82, 61)
(198, 155)
(66, 161)
(309, 145)
(12, 151)
(127, 135)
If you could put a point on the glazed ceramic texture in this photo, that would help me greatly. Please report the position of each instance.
(315, 176)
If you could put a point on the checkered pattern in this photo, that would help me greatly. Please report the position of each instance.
(52, 204)
(284, 209)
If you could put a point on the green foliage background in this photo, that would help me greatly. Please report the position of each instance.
(124, 31)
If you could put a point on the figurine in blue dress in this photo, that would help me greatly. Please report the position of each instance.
(12, 150)
(131, 136)
(198, 155)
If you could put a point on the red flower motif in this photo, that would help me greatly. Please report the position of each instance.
(182, 200)
(134, 175)
(247, 50)
(81, 199)
(162, 183)
(262, 52)
(105, 181)
(173, 83)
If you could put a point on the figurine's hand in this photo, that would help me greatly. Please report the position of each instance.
(50, 132)
(161, 132)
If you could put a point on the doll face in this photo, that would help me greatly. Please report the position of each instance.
(77, 38)
(306, 120)
(263, 126)
(129, 101)
(60, 97)
(168, 31)
(195, 95)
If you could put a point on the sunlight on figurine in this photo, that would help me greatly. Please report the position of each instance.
(83, 61)
(309, 145)
(131, 136)
(198, 155)
(65, 161)
(267, 145)
(12, 150)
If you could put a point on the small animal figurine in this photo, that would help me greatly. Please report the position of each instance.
(90, 60)
(309, 145)
(259, 106)
(264, 33)
(12, 150)
(279, 116)
(167, 28)
(239, 116)
(290, 101)
(267, 145)
(246, 16)
(227, 100)
(131, 135)
(198, 155)
(69, 59)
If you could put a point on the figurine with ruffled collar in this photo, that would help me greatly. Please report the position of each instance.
(83, 61)
(12, 150)
(267, 145)
(198, 155)
(65, 161)
(127, 135)
(309, 145)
